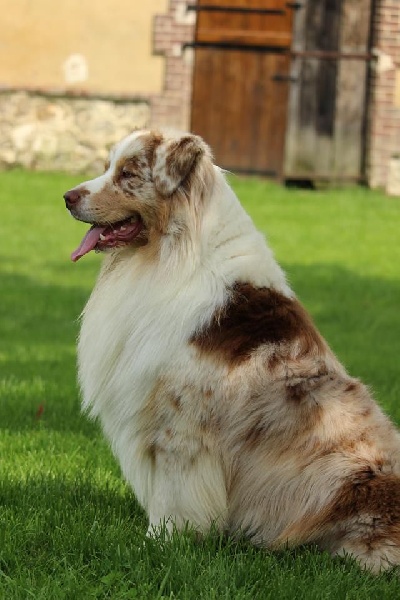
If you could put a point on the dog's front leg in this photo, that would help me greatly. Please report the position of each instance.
(163, 506)
(187, 490)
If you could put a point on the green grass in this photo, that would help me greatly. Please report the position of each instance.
(69, 526)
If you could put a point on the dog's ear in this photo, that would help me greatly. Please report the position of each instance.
(174, 160)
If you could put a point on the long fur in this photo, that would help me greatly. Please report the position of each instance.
(221, 401)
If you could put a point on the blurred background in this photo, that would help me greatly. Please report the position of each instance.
(303, 91)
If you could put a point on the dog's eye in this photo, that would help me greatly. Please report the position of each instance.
(125, 174)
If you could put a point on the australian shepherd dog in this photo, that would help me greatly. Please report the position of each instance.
(221, 400)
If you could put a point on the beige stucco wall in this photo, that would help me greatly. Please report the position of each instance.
(102, 46)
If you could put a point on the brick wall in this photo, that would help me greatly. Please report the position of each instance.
(384, 110)
(171, 32)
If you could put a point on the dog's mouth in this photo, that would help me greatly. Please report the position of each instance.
(100, 237)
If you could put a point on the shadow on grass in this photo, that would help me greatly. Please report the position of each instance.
(38, 331)
(52, 517)
(84, 538)
(39, 325)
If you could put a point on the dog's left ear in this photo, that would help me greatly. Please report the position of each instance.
(174, 160)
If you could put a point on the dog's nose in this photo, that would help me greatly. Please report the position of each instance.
(72, 197)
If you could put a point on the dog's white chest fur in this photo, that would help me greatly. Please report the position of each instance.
(136, 364)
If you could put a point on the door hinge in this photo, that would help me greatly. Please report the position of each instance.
(235, 9)
(281, 77)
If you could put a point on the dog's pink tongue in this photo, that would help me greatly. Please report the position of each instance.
(88, 243)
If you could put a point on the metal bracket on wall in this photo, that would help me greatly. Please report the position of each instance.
(232, 46)
(283, 78)
(302, 54)
(331, 55)
(235, 9)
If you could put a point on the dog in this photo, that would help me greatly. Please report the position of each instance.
(221, 400)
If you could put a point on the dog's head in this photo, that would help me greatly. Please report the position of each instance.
(146, 191)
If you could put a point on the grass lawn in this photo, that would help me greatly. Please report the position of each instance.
(69, 526)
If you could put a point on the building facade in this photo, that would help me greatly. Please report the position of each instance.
(77, 79)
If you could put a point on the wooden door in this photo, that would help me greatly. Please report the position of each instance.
(327, 105)
(240, 83)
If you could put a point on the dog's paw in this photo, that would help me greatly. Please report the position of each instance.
(160, 530)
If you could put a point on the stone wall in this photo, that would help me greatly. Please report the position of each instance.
(66, 134)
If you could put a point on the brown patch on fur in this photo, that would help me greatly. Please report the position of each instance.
(255, 435)
(150, 143)
(109, 205)
(188, 193)
(176, 402)
(152, 451)
(370, 497)
(372, 500)
(367, 492)
(175, 161)
(296, 392)
(366, 412)
(352, 386)
(366, 509)
(134, 165)
(349, 446)
(355, 389)
(151, 252)
(253, 317)
(274, 360)
(149, 414)
(210, 420)
(267, 424)
(83, 192)
(182, 158)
